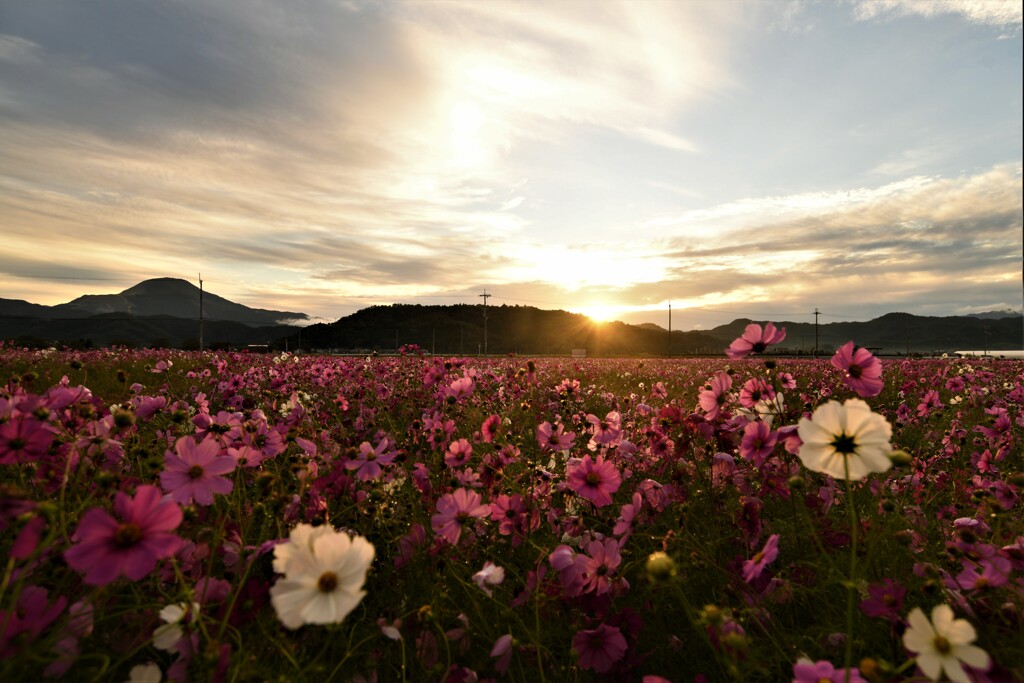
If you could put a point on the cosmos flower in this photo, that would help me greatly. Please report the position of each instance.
(595, 480)
(599, 648)
(755, 340)
(324, 573)
(943, 644)
(456, 509)
(490, 575)
(758, 442)
(753, 567)
(106, 549)
(845, 440)
(369, 460)
(554, 438)
(806, 671)
(23, 439)
(193, 471)
(862, 372)
(713, 396)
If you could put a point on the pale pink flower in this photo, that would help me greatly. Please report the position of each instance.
(754, 340)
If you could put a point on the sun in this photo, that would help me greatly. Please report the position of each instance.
(599, 313)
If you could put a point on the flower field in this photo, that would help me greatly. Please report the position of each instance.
(245, 517)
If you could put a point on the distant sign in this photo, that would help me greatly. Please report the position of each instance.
(579, 353)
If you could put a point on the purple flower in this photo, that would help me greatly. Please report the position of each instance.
(599, 648)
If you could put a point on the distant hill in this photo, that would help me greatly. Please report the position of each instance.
(161, 312)
(459, 329)
(995, 315)
(165, 312)
(897, 333)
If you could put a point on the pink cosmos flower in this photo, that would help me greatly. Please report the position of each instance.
(600, 565)
(368, 461)
(459, 453)
(884, 599)
(454, 510)
(713, 396)
(862, 372)
(755, 390)
(595, 480)
(460, 388)
(105, 548)
(599, 648)
(193, 472)
(502, 650)
(554, 438)
(607, 431)
(33, 615)
(758, 442)
(753, 567)
(806, 671)
(754, 340)
(490, 428)
(23, 439)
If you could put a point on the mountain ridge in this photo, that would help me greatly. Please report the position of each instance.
(165, 312)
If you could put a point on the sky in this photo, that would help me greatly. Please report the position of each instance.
(723, 158)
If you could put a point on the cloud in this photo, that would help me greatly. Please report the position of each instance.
(1006, 13)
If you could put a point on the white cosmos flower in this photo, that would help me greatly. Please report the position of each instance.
(845, 440)
(324, 571)
(145, 673)
(167, 636)
(943, 643)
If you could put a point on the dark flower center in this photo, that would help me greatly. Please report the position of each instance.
(759, 347)
(16, 444)
(855, 371)
(593, 478)
(127, 535)
(195, 472)
(327, 582)
(844, 444)
(942, 646)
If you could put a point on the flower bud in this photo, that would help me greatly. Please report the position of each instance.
(900, 458)
(660, 567)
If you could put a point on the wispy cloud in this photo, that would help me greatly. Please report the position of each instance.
(327, 155)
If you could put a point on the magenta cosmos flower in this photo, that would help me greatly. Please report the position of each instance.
(193, 472)
(753, 567)
(755, 340)
(23, 439)
(106, 549)
(862, 372)
(599, 648)
(595, 480)
(454, 510)
(806, 671)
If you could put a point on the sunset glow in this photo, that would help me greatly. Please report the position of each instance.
(633, 151)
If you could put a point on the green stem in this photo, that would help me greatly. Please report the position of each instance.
(851, 588)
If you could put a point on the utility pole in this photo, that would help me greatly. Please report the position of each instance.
(485, 295)
(816, 314)
(669, 328)
(200, 312)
